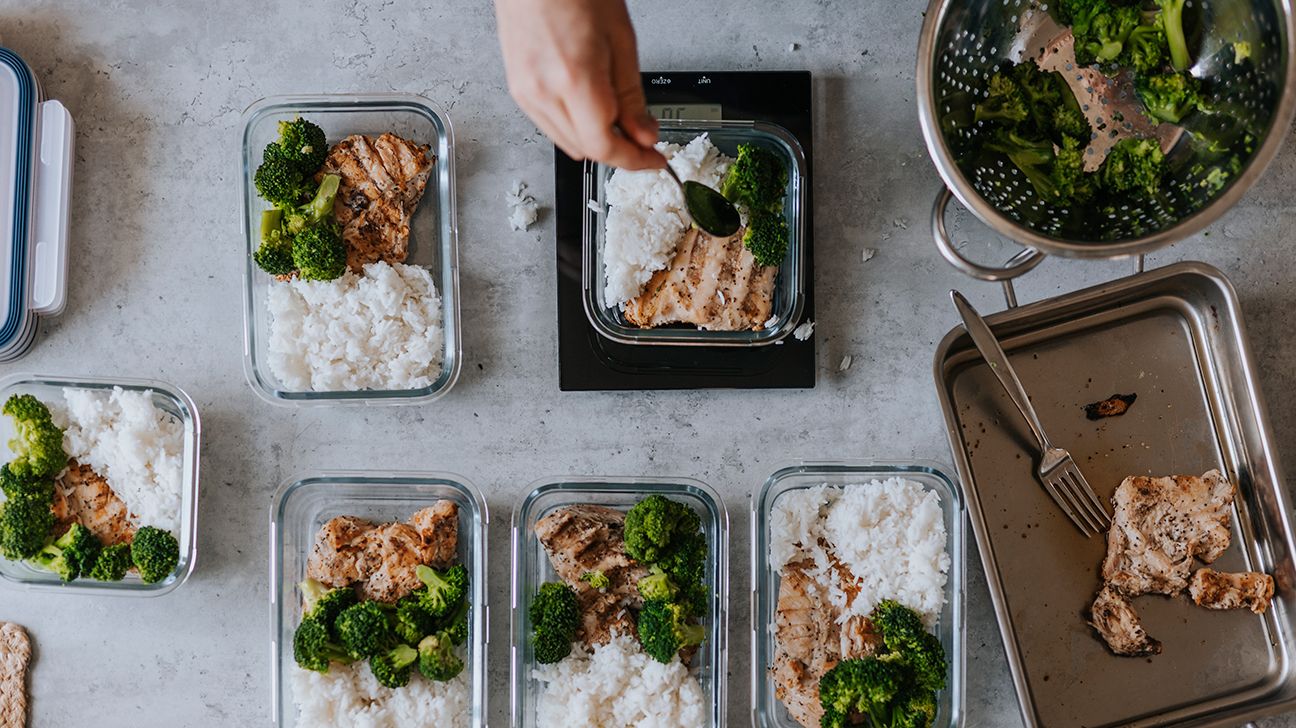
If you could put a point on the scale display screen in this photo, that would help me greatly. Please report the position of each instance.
(694, 112)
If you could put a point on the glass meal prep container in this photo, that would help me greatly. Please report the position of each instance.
(303, 505)
(767, 710)
(789, 288)
(433, 230)
(166, 397)
(531, 568)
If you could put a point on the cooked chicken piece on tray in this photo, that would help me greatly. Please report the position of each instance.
(83, 496)
(712, 283)
(587, 538)
(383, 179)
(1118, 624)
(1160, 524)
(382, 558)
(1217, 590)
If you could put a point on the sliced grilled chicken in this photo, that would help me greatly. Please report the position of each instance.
(383, 179)
(712, 283)
(807, 642)
(1159, 525)
(1119, 626)
(438, 524)
(585, 538)
(1218, 590)
(392, 552)
(83, 496)
(338, 546)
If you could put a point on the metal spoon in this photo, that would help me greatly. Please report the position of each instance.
(709, 209)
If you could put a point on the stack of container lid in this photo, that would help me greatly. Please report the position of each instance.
(35, 189)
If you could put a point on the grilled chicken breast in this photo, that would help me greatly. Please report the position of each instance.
(1118, 624)
(383, 179)
(712, 283)
(587, 538)
(382, 559)
(83, 496)
(1217, 590)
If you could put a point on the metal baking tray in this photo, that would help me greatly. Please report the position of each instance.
(1173, 336)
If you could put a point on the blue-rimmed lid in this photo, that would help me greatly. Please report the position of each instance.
(18, 99)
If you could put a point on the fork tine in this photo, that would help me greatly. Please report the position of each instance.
(1067, 488)
(1087, 496)
(1062, 503)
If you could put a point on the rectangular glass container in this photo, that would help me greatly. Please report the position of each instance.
(303, 505)
(789, 288)
(433, 229)
(531, 568)
(767, 710)
(168, 398)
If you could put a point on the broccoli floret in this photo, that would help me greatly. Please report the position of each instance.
(1054, 111)
(596, 579)
(392, 668)
(364, 630)
(1034, 157)
(316, 212)
(156, 554)
(916, 708)
(319, 254)
(657, 585)
(112, 563)
(1101, 33)
(1146, 50)
(437, 659)
(905, 636)
(1071, 123)
(1168, 97)
(304, 144)
(1004, 101)
(13, 486)
(323, 603)
(664, 629)
(75, 550)
(757, 179)
(865, 686)
(555, 616)
(314, 648)
(274, 254)
(279, 181)
(1172, 23)
(1068, 173)
(1133, 166)
(656, 525)
(411, 622)
(550, 646)
(25, 522)
(38, 444)
(767, 238)
(445, 589)
(456, 625)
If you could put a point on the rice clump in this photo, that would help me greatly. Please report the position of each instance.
(379, 330)
(646, 216)
(619, 686)
(890, 536)
(349, 696)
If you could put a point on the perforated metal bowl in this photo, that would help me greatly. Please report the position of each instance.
(965, 41)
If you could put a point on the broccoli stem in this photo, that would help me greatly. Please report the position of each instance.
(322, 204)
(1172, 20)
(271, 224)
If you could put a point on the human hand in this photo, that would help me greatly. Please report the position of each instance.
(573, 67)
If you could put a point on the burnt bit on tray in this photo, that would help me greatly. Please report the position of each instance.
(1114, 406)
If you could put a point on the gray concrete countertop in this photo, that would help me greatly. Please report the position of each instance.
(157, 89)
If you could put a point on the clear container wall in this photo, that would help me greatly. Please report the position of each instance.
(768, 711)
(433, 232)
(301, 507)
(531, 568)
(789, 288)
(167, 398)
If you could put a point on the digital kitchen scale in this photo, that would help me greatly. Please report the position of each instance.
(588, 361)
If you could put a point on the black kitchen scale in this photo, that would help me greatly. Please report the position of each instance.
(588, 361)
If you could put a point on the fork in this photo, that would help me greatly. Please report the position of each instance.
(1057, 470)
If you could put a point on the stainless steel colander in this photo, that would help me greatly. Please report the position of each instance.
(964, 41)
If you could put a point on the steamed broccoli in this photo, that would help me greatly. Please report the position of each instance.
(156, 554)
(757, 179)
(1133, 166)
(25, 522)
(1168, 97)
(657, 585)
(596, 579)
(664, 629)
(555, 616)
(274, 254)
(1101, 32)
(1146, 50)
(1054, 111)
(456, 625)
(767, 238)
(868, 686)
(411, 622)
(1004, 101)
(303, 144)
(656, 526)
(319, 254)
(1034, 157)
(392, 668)
(314, 648)
(279, 180)
(445, 589)
(363, 630)
(315, 212)
(323, 603)
(75, 550)
(38, 444)
(1068, 174)
(1172, 23)
(916, 708)
(112, 563)
(437, 659)
(904, 634)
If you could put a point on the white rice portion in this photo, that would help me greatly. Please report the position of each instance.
(646, 217)
(348, 696)
(136, 447)
(379, 330)
(889, 534)
(618, 686)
